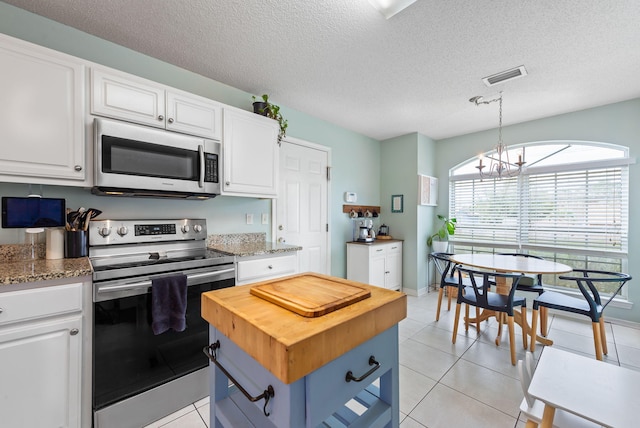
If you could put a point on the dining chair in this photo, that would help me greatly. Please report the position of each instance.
(446, 269)
(591, 304)
(533, 409)
(533, 284)
(478, 294)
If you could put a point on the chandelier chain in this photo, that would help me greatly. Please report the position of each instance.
(500, 166)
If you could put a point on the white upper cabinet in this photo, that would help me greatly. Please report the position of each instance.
(250, 153)
(41, 115)
(127, 97)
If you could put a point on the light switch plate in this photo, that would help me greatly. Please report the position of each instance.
(265, 218)
(249, 218)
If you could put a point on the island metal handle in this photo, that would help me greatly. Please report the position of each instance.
(372, 361)
(210, 352)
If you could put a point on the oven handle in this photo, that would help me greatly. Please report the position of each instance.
(144, 284)
(202, 166)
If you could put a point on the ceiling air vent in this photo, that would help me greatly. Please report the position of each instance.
(503, 76)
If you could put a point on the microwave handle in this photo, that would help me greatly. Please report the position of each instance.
(202, 166)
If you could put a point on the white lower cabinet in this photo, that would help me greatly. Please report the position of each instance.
(261, 268)
(378, 263)
(41, 342)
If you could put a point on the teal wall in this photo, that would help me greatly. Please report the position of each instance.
(615, 123)
(403, 158)
(355, 158)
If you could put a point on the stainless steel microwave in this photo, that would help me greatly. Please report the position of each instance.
(134, 160)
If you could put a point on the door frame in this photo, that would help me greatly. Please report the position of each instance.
(274, 205)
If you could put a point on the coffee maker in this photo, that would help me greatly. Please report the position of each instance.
(365, 231)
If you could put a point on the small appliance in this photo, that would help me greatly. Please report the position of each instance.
(134, 160)
(366, 233)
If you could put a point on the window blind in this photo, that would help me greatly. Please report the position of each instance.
(584, 209)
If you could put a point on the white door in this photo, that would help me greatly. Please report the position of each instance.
(302, 205)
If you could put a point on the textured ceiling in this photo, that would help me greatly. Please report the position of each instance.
(341, 61)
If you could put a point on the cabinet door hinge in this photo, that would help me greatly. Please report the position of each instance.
(327, 228)
(328, 173)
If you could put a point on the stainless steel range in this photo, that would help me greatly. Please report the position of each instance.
(138, 376)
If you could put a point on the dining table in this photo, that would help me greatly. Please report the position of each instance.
(594, 390)
(510, 264)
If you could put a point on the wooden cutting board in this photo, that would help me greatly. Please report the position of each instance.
(310, 296)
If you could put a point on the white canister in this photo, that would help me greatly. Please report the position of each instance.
(55, 243)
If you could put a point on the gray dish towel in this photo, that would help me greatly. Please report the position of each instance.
(168, 303)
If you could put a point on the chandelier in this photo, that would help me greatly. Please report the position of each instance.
(499, 163)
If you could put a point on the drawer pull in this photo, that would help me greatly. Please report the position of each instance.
(372, 362)
(381, 249)
(210, 352)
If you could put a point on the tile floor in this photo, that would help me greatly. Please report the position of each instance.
(469, 384)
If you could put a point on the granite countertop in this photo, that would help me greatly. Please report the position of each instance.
(248, 244)
(21, 271)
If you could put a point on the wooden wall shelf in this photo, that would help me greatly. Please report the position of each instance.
(361, 208)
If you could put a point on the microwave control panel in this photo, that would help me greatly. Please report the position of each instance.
(211, 168)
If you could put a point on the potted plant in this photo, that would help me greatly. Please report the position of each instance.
(264, 107)
(440, 240)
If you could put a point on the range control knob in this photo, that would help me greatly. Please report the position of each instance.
(197, 228)
(104, 231)
(186, 228)
(122, 230)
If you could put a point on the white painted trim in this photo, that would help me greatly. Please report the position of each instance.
(274, 204)
(415, 293)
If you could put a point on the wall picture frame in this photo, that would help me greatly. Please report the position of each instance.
(427, 190)
(397, 203)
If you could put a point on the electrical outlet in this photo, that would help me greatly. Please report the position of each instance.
(265, 218)
(249, 218)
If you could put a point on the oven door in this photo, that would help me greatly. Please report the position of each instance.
(134, 157)
(128, 359)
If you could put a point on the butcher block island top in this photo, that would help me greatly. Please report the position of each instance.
(290, 345)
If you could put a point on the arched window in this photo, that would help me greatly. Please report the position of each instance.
(569, 204)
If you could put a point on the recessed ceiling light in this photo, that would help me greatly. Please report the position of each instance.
(388, 8)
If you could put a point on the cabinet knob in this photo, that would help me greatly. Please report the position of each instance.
(74, 331)
(170, 120)
(281, 240)
(227, 183)
(270, 266)
(1, 310)
(78, 167)
(281, 227)
(161, 117)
